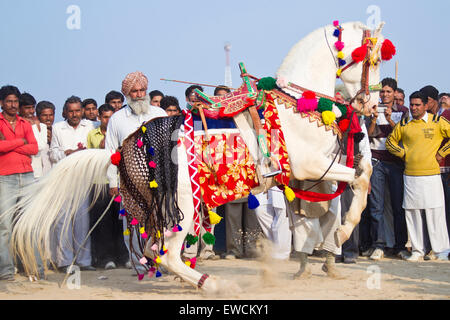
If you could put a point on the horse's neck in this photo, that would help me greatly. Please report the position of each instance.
(311, 64)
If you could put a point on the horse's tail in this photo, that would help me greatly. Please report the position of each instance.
(56, 196)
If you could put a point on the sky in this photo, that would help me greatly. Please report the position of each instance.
(50, 53)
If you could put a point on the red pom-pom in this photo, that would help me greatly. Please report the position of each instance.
(115, 158)
(309, 95)
(387, 50)
(343, 124)
(359, 54)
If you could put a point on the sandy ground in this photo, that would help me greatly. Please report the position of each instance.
(396, 280)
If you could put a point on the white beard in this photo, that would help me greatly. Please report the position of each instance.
(140, 105)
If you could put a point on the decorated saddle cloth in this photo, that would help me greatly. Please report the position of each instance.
(226, 170)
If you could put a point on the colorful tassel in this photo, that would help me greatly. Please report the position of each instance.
(339, 45)
(115, 158)
(342, 62)
(151, 272)
(167, 233)
(151, 150)
(126, 232)
(209, 238)
(340, 55)
(289, 193)
(175, 229)
(359, 54)
(193, 262)
(344, 124)
(336, 33)
(141, 229)
(144, 235)
(214, 218)
(152, 164)
(157, 260)
(143, 260)
(252, 202)
(154, 247)
(328, 117)
(188, 263)
(123, 212)
(158, 234)
(324, 105)
(267, 83)
(134, 222)
(387, 50)
(118, 199)
(158, 274)
(153, 184)
(338, 72)
(336, 111)
(141, 276)
(144, 129)
(336, 23)
(190, 239)
(139, 143)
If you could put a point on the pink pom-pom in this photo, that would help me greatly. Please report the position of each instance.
(134, 222)
(154, 247)
(143, 260)
(175, 229)
(167, 233)
(118, 199)
(141, 276)
(152, 164)
(339, 45)
(306, 105)
(151, 273)
(139, 143)
(193, 262)
(336, 23)
(144, 235)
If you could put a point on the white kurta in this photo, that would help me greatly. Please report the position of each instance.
(423, 192)
(123, 123)
(41, 161)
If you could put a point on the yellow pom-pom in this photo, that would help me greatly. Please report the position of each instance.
(290, 195)
(338, 73)
(340, 55)
(328, 117)
(142, 230)
(188, 263)
(158, 259)
(144, 129)
(153, 184)
(214, 218)
(158, 234)
(126, 232)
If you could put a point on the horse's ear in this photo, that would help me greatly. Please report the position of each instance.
(379, 28)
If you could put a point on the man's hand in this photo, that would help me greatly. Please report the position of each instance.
(439, 158)
(102, 144)
(388, 113)
(49, 135)
(113, 192)
(374, 114)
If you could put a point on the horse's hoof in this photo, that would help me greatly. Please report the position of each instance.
(303, 274)
(339, 237)
(332, 272)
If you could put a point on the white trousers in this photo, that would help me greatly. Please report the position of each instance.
(437, 230)
(311, 233)
(275, 226)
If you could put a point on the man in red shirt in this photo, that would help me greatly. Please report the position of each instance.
(17, 145)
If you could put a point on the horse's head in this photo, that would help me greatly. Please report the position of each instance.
(362, 76)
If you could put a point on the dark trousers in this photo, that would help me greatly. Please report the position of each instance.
(350, 248)
(107, 242)
(446, 184)
(392, 173)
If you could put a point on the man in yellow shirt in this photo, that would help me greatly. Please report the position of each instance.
(108, 247)
(421, 135)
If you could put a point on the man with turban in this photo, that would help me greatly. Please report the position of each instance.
(126, 121)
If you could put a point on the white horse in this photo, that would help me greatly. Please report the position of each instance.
(310, 63)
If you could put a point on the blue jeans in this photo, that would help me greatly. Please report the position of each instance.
(11, 187)
(392, 173)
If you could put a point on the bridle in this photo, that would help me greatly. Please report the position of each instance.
(371, 58)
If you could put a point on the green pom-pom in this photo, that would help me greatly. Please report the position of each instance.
(191, 240)
(209, 238)
(342, 108)
(324, 105)
(267, 83)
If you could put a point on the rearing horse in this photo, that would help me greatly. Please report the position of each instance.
(310, 148)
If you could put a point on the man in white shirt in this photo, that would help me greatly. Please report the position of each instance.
(68, 137)
(123, 123)
(26, 110)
